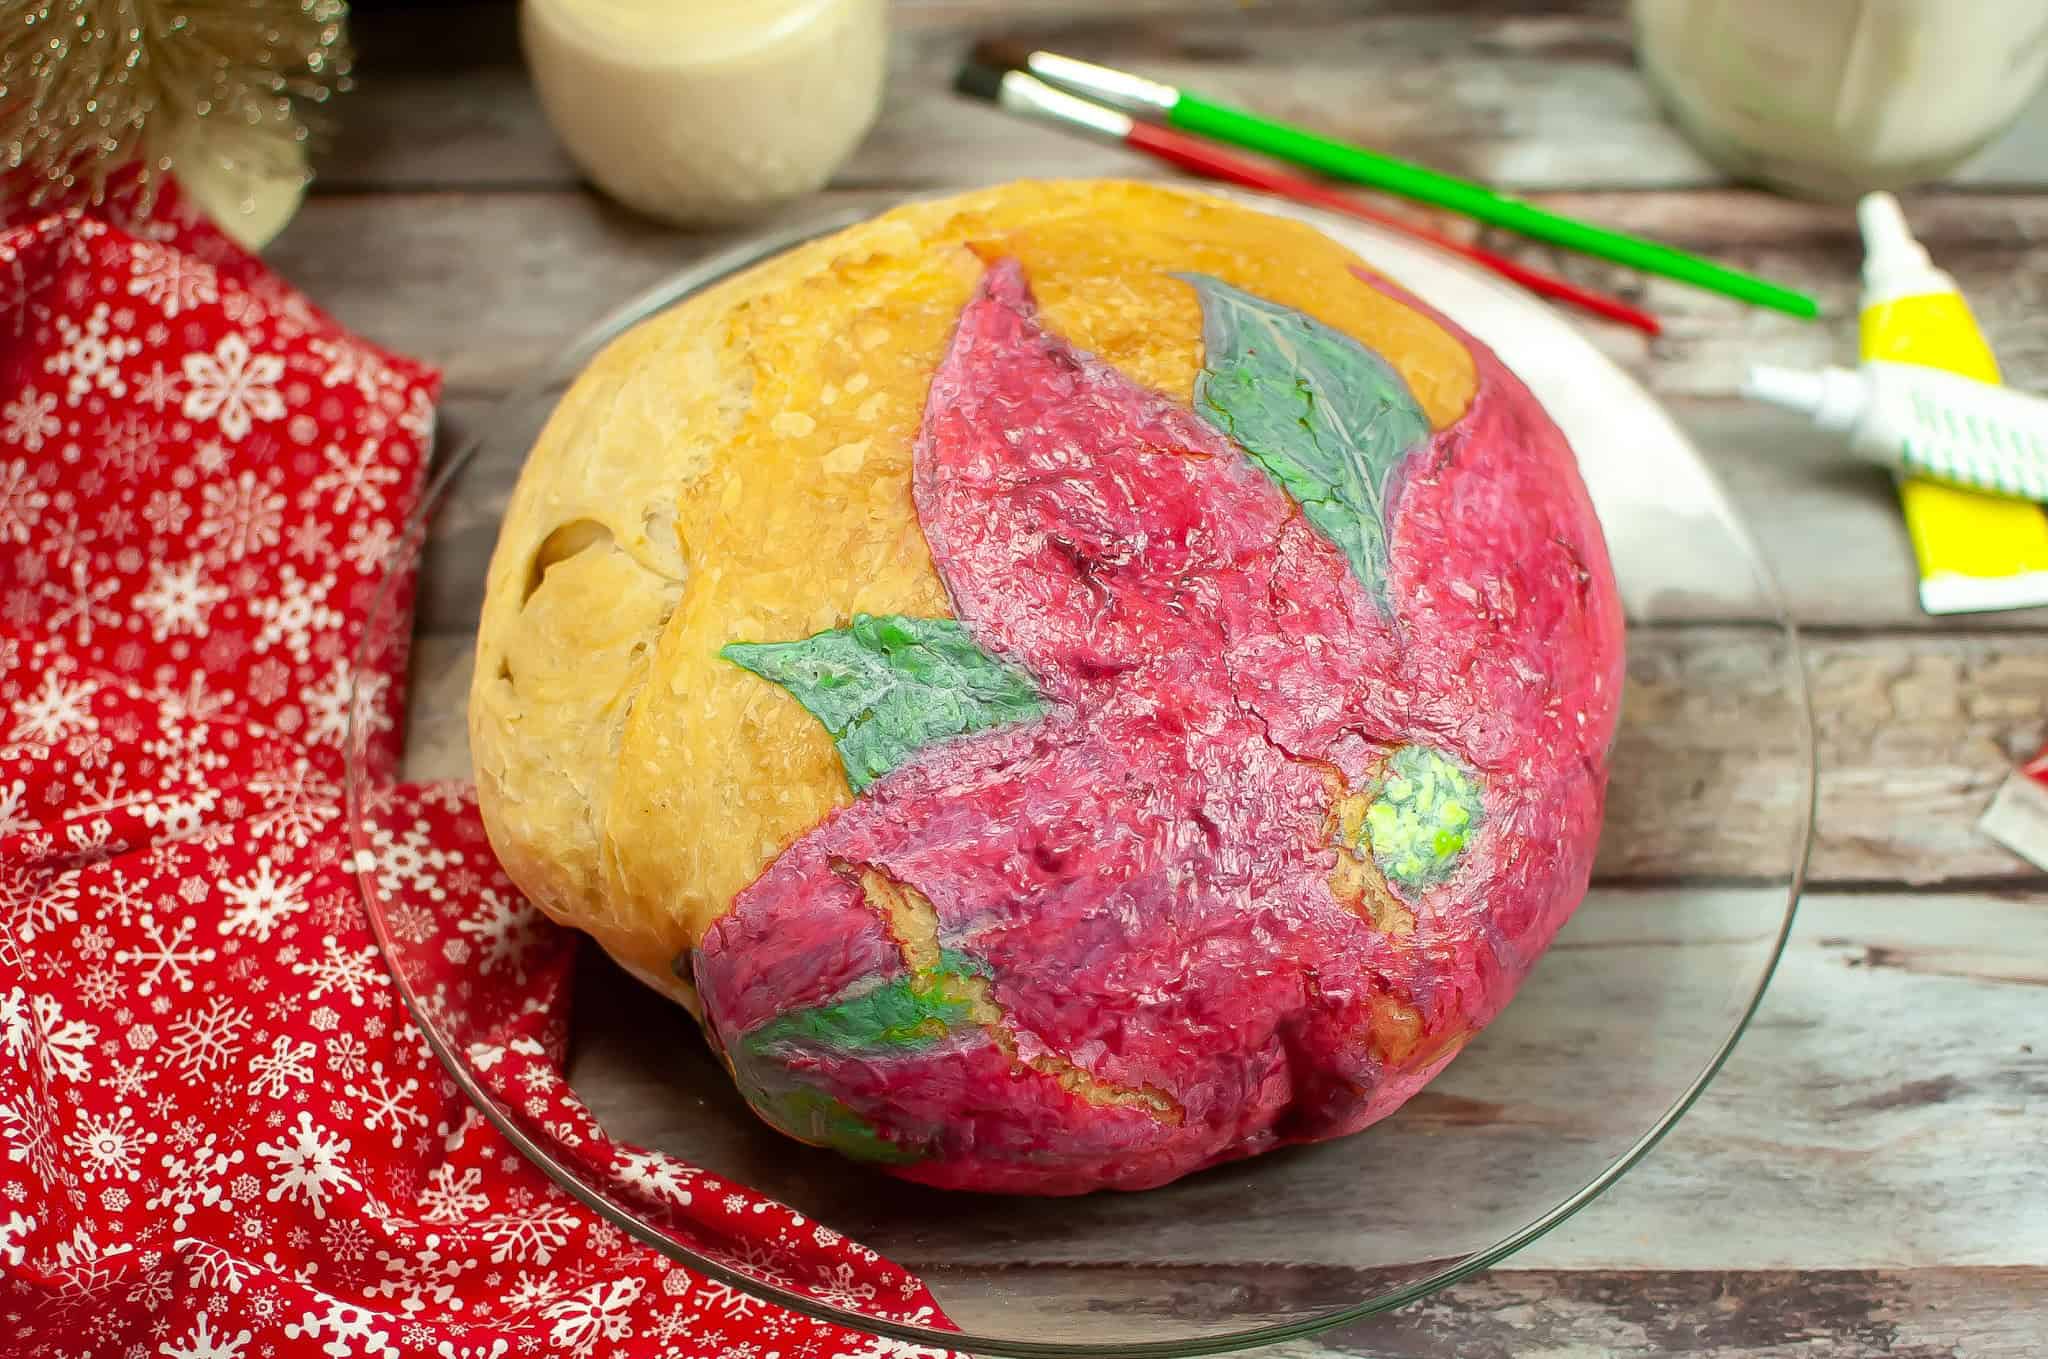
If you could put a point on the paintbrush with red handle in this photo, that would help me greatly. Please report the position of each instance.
(1019, 92)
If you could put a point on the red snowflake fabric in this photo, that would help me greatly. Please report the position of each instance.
(223, 1137)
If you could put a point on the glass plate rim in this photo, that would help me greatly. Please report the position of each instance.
(570, 360)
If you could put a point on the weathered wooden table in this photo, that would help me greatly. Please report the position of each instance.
(1870, 1173)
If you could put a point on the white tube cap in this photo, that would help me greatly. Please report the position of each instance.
(1894, 263)
(1834, 397)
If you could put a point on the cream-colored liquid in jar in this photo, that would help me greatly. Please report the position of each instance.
(707, 110)
(1838, 97)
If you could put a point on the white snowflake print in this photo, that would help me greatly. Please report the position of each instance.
(69, 541)
(307, 1166)
(369, 543)
(14, 816)
(412, 922)
(406, 863)
(130, 1079)
(80, 603)
(12, 1232)
(421, 1279)
(262, 901)
(233, 387)
(450, 1195)
(29, 1136)
(480, 1348)
(599, 1312)
(388, 1104)
(31, 419)
(345, 1055)
(91, 357)
(119, 897)
(356, 479)
(131, 446)
(346, 1240)
(840, 1288)
(166, 512)
(181, 816)
(169, 279)
(206, 1040)
(178, 599)
(22, 500)
(34, 1029)
(216, 1269)
(523, 1237)
(327, 704)
(529, 1291)
(350, 364)
(881, 1347)
(159, 387)
(166, 957)
(193, 703)
(288, 1063)
(39, 905)
(241, 516)
(417, 419)
(658, 1176)
(732, 1301)
(153, 1287)
(506, 927)
(350, 1332)
(296, 612)
(54, 711)
(194, 1180)
(78, 1256)
(202, 1342)
(338, 970)
(297, 802)
(109, 1146)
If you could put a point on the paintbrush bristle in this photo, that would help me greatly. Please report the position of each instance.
(980, 81)
(1004, 54)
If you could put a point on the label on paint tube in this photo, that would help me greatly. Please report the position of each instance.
(2018, 816)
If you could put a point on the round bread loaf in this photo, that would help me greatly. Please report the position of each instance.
(1070, 684)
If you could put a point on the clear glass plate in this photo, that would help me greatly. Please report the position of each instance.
(1612, 1038)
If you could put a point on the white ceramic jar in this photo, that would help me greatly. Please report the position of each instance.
(1833, 98)
(697, 111)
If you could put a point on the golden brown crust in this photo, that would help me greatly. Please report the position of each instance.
(738, 469)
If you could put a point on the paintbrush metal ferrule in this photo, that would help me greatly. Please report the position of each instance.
(1022, 94)
(1104, 84)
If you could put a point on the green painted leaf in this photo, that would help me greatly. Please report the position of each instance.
(1328, 419)
(887, 686)
(906, 1014)
(817, 1118)
(900, 1016)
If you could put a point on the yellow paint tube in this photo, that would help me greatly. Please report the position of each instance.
(1976, 551)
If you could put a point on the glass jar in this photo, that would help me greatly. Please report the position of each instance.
(1833, 98)
(700, 111)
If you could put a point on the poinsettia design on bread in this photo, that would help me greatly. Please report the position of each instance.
(1263, 754)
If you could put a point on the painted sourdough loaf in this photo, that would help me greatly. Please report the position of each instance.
(1071, 683)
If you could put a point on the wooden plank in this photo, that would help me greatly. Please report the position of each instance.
(1914, 735)
(1515, 1313)
(1709, 1314)
(1531, 100)
(1882, 1113)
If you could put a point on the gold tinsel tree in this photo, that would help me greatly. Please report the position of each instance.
(90, 88)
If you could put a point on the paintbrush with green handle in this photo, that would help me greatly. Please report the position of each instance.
(1340, 160)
